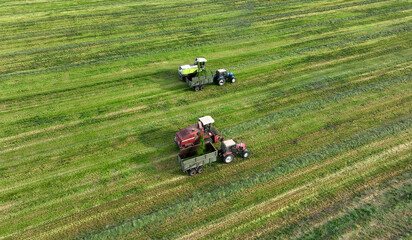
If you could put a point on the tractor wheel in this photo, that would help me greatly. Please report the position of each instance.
(228, 158)
(221, 82)
(233, 80)
(200, 169)
(202, 87)
(191, 172)
(208, 140)
(197, 88)
(245, 153)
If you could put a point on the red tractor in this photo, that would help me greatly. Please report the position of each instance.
(190, 136)
(229, 148)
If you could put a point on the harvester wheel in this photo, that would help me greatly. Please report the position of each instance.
(200, 169)
(191, 172)
(245, 153)
(197, 88)
(228, 158)
(233, 80)
(221, 82)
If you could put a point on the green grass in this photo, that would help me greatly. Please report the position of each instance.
(90, 102)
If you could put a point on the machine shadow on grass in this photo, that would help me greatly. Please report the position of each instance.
(170, 80)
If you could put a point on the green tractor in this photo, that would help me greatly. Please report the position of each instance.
(197, 75)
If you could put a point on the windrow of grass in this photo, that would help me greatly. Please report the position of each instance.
(90, 102)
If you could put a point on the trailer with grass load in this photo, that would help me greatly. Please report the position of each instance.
(192, 163)
(197, 75)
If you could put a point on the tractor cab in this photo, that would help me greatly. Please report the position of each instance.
(206, 123)
(190, 136)
(221, 72)
(229, 148)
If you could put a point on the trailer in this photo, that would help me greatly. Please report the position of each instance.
(198, 83)
(191, 163)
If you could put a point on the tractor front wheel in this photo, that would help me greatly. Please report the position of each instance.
(245, 154)
(191, 172)
(221, 82)
(228, 158)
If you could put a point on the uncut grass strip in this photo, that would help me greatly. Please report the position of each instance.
(392, 153)
(298, 227)
(359, 140)
(309, 208)
(312, 105)
(393, 197)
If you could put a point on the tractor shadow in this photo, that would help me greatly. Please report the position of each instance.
(157, 137)
(169, 80)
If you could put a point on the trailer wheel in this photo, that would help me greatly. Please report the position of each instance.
(202, 87)
(196, 88)
(200, 169)
(233, 80)
(228, 158)
(191, 172)
(221, 82)
(245, 153)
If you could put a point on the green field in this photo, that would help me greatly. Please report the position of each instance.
(90, 101)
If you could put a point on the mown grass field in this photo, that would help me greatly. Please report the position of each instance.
(90, 102)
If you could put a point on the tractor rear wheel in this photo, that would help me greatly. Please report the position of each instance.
(221, 82)
(191, 172)
(245, 153)
(200, 169)
(228, 158)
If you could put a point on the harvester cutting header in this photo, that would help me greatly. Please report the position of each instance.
(197, 75)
